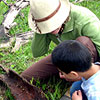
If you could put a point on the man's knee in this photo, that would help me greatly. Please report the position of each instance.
(87, 42)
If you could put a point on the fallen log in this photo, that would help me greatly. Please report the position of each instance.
(13, 12)
(5, 39)
(22, 39)
(20, 88)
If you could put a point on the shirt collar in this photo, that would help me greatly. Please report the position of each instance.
(69, 25)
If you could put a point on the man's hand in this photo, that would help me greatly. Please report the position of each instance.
(77, 95)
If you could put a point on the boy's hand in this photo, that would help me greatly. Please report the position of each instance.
(77, 95)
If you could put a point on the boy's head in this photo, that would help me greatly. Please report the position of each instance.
(71, 56)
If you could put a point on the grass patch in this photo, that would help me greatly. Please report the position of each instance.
(93, 5)
(9, 95)
(22, 22)
(19, 60)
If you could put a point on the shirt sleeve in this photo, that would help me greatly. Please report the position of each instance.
(40, 44)
(92, 30)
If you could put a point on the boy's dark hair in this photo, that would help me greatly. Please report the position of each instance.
(71, 55)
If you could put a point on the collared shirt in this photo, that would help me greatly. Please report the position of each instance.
(91, 87)
(82, 23)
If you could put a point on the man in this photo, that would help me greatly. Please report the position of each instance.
(59, 20)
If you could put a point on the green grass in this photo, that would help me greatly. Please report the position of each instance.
(4, 9)
(93, 5)
(9, 95)
(19, 60)
(22, 59)
(22, 22)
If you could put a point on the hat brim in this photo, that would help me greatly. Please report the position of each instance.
(53, 23)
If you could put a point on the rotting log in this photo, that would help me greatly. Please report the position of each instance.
(13, 12)
(5, 39)
(22, 39)
(20, 88)
(78, 1)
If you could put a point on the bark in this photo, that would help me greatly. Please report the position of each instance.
(13, 12)
(20, 88)
(78, 1)
(5, 39)
(20, 39)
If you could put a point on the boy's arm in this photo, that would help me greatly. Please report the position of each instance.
(77, 95)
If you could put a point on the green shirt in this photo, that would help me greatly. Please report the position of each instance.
(82, 23)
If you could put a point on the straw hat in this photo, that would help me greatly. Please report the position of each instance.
(47, 15)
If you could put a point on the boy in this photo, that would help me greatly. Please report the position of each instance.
(74, 62)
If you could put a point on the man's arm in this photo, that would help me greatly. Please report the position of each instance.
(92, 30)
(40, 44)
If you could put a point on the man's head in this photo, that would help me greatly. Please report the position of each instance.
(71, 56)
(47, 15)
